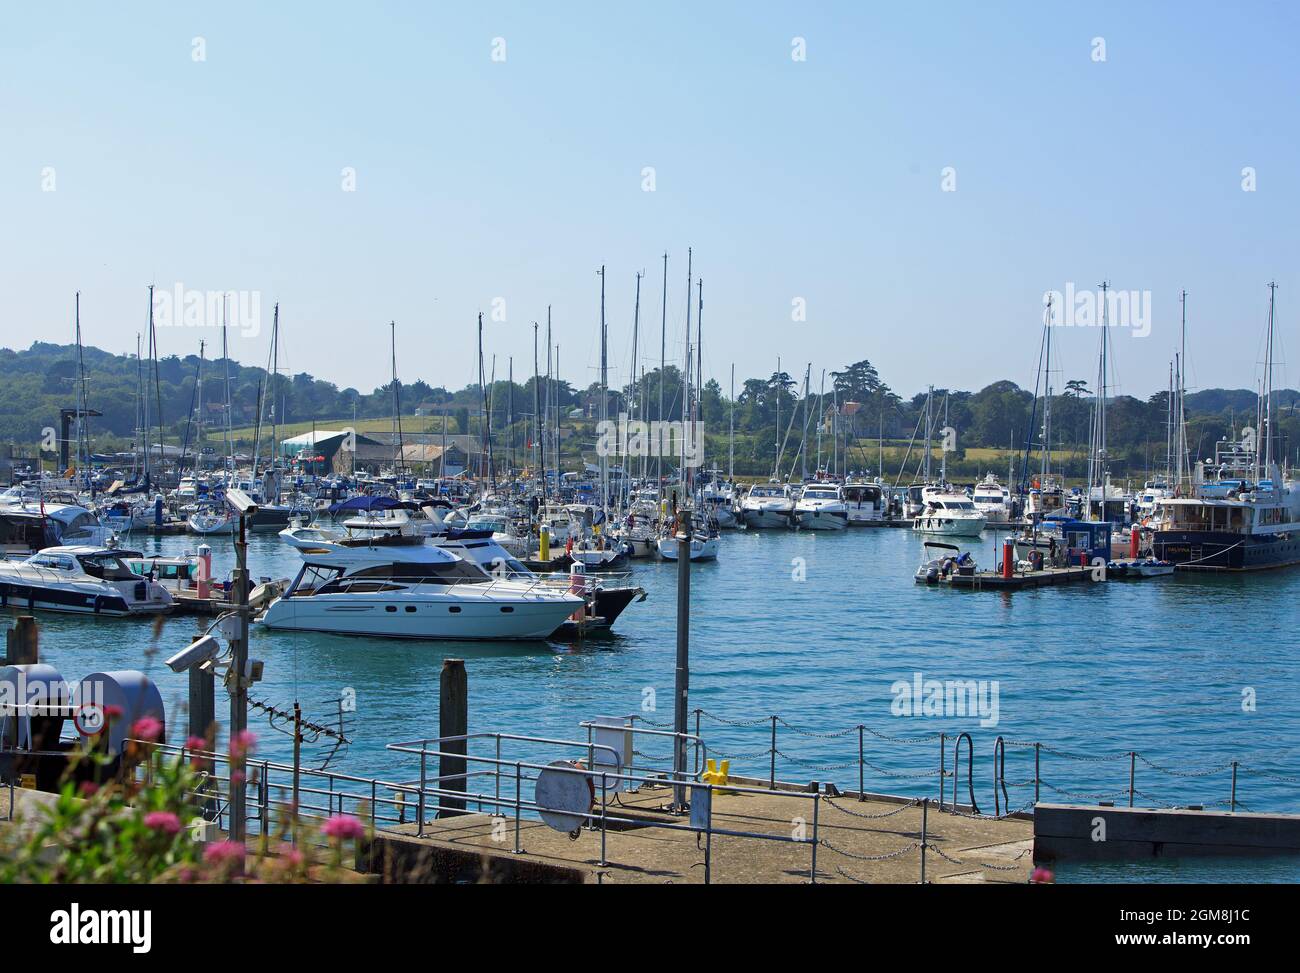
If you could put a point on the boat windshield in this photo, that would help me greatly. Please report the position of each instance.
(109, 567)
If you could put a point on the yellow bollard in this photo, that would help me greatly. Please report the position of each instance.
(544, 554)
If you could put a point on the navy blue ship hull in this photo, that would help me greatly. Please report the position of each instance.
(1211, 550)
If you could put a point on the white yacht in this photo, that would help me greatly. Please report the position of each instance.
(950, 514)
(82, 580)
(866, 503)
(704, 546)
(405, 587)
(992, 499)
(821, 507)
(767, 505)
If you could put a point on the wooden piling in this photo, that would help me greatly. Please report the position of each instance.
(21, 642)
(453, 721)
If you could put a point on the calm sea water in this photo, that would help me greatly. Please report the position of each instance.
(817, 628)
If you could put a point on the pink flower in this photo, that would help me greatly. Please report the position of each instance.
(196, 743)
(223, 853)
(243, 743)
(163, 821)
(88, 788)
(1042, 876)
(342, 827)
(112, 712)
(290, 855)
(147, 728)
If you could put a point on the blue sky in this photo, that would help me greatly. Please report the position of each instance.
(819, 179)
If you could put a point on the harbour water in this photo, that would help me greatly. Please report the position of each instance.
(818, 629)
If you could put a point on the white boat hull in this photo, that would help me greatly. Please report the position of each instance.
(422, 615)
(948, 526)
(702, 549)
(821, 518)
(766, 518)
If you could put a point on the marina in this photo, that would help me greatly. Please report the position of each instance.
(725, 446)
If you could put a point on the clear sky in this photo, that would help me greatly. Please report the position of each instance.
(125, 160)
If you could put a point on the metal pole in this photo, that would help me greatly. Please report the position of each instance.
(603, 804)
(709, 838)
(297, 761)
(772, 780)
(817, 803)
(518, 800)
(239, 689)
(942, 767)
(1037, 751)
(925, 832)
(683, 674)
(1132, 772)
(1232, 804)
(862, 788)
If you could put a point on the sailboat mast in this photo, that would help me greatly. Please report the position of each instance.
(686, 376)
(604, 395)
(225, 358)
(1268, 387)
(663, 364)
(731, 428)
(539, 431)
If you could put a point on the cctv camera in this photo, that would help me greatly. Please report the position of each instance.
(199, 651)
(242, 502)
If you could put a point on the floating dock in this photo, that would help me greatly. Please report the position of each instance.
(994, 580)
(876, 840)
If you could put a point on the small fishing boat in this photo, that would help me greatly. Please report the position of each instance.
(939, 561)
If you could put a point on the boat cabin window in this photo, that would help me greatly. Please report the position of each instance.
(446, 572)
(109, 567)
(55, 562)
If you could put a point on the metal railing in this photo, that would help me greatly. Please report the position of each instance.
(519, 772)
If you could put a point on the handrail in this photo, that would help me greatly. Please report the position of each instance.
(970, 772)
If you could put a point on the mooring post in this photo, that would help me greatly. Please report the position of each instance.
(239, 689)
(21, 642)
(1232, 801)
(1132, 773)
(681, 688)
(453, 721)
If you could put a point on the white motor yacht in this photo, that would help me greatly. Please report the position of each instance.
(950, 514)
(865, 503)
(993, 500)
(821, 507)
(405, 587)
(82, 580)
(767, 505)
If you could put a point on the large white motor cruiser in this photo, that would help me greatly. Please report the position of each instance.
(865, 503)
(82, 580)
(767, 505)
(993, 500)
(821, 507)
(950, 514)
(405, 587)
